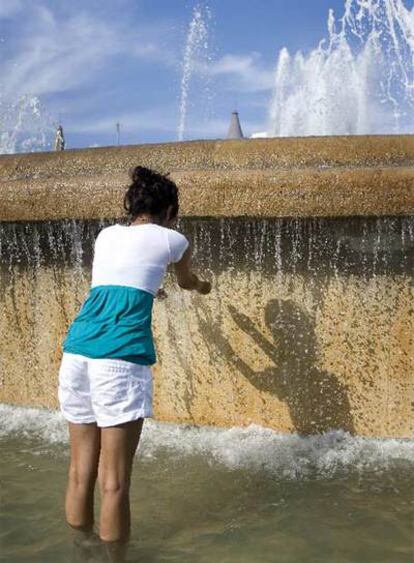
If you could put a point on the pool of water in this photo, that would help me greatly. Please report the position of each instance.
(223, 495)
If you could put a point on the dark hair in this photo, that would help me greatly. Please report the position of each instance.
(151, 192)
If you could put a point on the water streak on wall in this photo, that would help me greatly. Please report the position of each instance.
(309, 327)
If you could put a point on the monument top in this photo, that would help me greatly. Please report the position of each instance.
(235, 130)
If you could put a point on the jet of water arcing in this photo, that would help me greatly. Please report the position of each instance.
(358, 81)
(196, 51)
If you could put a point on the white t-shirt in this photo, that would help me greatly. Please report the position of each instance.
(136, 256)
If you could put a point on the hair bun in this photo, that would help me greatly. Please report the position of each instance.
(150, 192)
(141, 174)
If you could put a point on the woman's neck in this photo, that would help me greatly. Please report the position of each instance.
(145, 219)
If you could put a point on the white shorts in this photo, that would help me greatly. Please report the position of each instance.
(105, 391)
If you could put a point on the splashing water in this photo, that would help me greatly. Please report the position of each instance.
(196, 52)
(253, 448)
(25, 126)
(358, 81)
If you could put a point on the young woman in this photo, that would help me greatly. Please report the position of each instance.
(105, 381)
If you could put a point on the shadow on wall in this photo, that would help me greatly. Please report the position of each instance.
(317, 401)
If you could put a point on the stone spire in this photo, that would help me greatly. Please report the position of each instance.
(235, 130)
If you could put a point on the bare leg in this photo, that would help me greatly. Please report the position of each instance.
(85, 445)
(118, 446)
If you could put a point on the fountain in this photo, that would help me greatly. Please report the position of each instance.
(289, 377)
(358, 81)
(309, 243)
(196, 53)
(25, 126)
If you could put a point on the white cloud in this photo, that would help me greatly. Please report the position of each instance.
(245, 72)
(9, 8)
(58, 54)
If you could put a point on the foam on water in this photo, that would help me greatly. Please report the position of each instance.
(252, 448)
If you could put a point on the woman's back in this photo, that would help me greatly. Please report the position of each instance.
(128, 268)
(136, 256)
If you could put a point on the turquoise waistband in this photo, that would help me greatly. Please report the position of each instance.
(114, 322)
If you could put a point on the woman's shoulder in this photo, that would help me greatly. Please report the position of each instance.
(106, 232)
(145, 229)
(177, 243)
(173, 233)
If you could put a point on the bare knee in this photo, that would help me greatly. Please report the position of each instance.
(113, 486)
(81, 479)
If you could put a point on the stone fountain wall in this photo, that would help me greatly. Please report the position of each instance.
(310, 247)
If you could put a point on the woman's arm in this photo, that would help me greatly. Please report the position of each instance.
(186, 279)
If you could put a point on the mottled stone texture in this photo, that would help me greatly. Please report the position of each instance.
(309, 326)
(301, 177)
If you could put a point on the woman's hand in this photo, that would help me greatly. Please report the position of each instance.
(187, 279)
(161, 294)
(203, 287)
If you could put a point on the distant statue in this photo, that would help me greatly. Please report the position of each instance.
(59, 139)
(118, 133)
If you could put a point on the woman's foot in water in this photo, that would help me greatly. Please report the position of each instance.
(88, 548)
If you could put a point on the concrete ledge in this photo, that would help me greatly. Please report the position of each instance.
(252, 154)
(325, 176)
(302, 192)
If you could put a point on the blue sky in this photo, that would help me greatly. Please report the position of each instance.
(96, 62)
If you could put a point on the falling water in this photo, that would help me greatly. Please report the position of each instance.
(196, 53)
(341, 285)
(25, 126)
(364, 246)
(360, 80)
